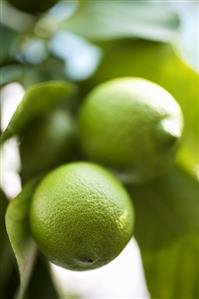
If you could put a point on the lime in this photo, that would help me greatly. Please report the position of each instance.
(47, 143)
(81, 216)
(132, 125)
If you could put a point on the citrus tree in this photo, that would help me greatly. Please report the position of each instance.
(108, 138)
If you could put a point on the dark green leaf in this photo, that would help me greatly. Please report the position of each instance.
(17, 226)
(8, 38)
(5, 253)
(50, 70)
(167, 231)
(157, 62)
(10, 73)
(3, 206)
(38, 100)
(12, 280)
(41, 285)
(105, 20)
(49, 141)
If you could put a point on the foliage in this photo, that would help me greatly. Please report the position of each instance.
(167, 231)
(136, 38)
(37, 101)
(123, 19)
(17, 226)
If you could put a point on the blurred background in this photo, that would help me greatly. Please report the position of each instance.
(87, 42)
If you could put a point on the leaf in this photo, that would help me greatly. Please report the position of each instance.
(8, 273)
(3, 206)
(41, 284)
(12, 281)
(5, 263)
(10, 73)
(167, 231)
(53, 138)
(49, 70)
(169, 204)
(105, 20)
(17, 226)
(173, 271)
(157, 62)
(38, 100)
(8, 36)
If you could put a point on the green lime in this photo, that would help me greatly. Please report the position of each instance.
(47, 143)
(132, 125)
(33, 6)
(81, 216)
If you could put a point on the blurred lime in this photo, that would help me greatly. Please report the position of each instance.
(47, 143)
(81, 217)
(132, 125)
(32, 6)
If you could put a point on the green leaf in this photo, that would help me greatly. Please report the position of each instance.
(38, 100)
(17, 226)
(8, 273)
(173, 271)
(8, 37)
(49, 142)
(169, 204)
(3, 206)
(5, 260)
(167, 231)
(49, 70)
(105, 20)
(10, 73)
(157, 62)
(41, 285)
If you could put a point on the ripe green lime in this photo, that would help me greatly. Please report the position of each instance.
(47, 143)
(33, 6)
(132, 125)
(81, 216)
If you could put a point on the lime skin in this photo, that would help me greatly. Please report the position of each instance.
(81, 217)
(131, 125)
